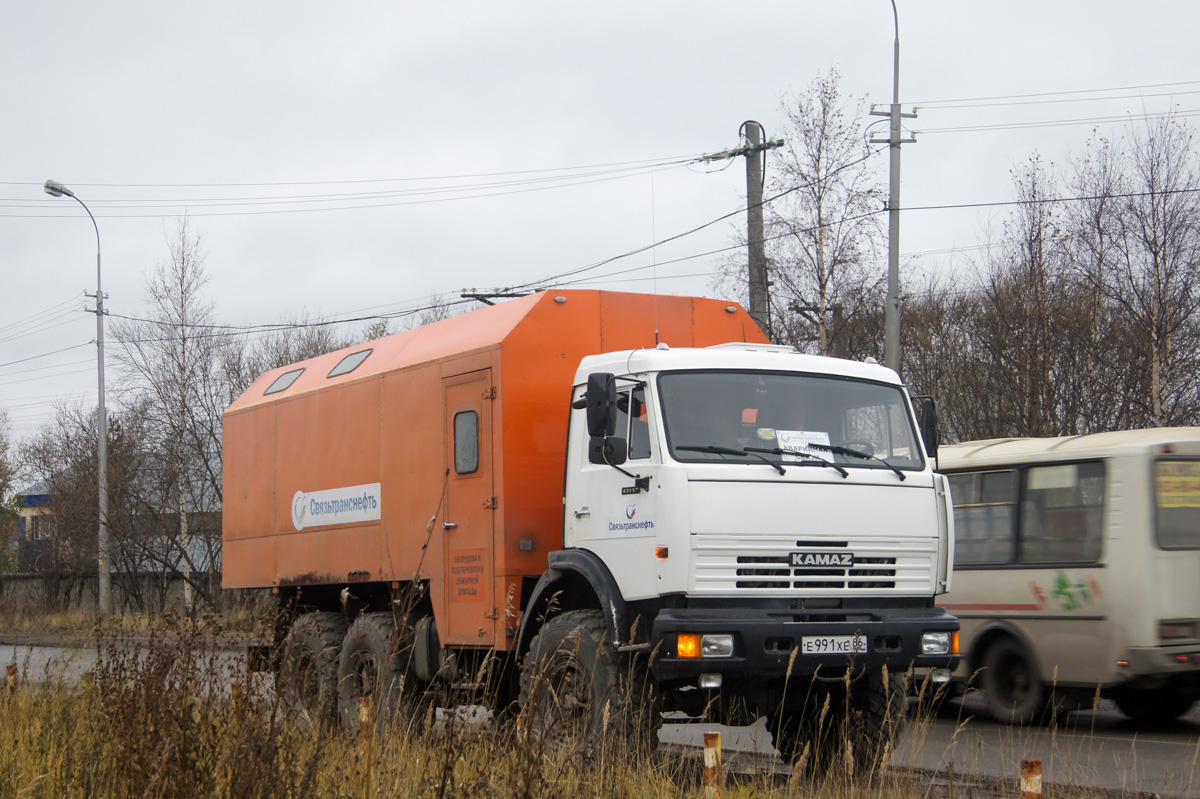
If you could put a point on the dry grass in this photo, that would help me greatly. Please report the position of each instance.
(86, 625)
(161, 718)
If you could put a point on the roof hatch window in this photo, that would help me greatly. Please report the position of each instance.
(349, 363)
(284, 381)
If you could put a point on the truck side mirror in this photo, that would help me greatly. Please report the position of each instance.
(611, 450)
(926, 408)
(601, 403)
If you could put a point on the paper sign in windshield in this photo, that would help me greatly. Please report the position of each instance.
(1178, 484)
(799, 440)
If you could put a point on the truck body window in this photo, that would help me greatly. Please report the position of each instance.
(349, 363)
(466, 442)
(283, 381)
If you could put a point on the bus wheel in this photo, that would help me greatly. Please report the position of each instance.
(373, 672)
(308, 669)
(1010, 683)
(1153, 705)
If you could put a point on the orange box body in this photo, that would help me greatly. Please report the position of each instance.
(391, 422)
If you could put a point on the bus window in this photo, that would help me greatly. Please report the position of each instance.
(1177, 504)
(985, 513)
(1061, 513)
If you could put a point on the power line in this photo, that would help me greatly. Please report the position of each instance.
(680, 159)
(927, 103)
(47, 354)
(1064, 100)
(1057, 123)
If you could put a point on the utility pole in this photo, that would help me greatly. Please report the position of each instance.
(755, 151)
(756, 247)
(891, 336)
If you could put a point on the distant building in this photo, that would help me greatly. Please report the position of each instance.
(34, 526)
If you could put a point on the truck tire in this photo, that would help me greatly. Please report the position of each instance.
(577, 691)
(858, 731)
(308, 673)
(807, 741)
(877, 706)
(1011, 684)
(375, 666)
(1156, 705)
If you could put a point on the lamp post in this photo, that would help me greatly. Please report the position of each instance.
(891, 325)
(56, 189)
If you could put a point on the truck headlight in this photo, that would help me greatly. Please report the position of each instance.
(692, 645)
(935, 643)
(716, 646)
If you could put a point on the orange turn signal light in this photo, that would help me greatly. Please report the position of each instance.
(954, 643)
(689, 645)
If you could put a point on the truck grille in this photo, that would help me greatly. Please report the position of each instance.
(763, 566)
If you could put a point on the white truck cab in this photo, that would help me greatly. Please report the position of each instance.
(778, 508)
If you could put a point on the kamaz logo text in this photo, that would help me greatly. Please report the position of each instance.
(822, 558)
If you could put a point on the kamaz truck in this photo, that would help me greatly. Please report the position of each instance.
(591, 509)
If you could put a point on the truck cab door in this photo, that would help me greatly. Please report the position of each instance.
(468, 518)
(614, 512)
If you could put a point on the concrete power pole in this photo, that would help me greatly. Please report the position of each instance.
(756, 247)
(755, 239)
(891, 338)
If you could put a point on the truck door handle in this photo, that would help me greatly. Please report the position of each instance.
(579, 514)
(448, 525)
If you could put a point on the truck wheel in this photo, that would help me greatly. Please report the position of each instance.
(575, 691)
(373, 672)
(309, 666)
(877, 705)
(1011, 685)
(813, 737)
(1153, 705)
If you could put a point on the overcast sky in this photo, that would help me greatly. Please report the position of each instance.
(355, 158)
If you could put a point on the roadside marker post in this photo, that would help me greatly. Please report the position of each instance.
(1031, 779)
(713, 778)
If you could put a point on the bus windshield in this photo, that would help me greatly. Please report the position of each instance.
(852, 423)
(1177, 503)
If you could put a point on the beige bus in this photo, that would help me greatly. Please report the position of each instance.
(1077, 571)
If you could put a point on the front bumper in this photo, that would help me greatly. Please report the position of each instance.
(767, 643)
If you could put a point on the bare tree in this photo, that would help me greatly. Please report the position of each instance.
(8, 512)
(1137, 243)
(822, 228)
(62, 454)
(173, 357)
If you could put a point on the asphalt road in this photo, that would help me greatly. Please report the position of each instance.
(1095, 749)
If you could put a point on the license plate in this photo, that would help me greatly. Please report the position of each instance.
(833, 644)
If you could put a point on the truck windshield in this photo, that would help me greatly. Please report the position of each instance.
(838, 420)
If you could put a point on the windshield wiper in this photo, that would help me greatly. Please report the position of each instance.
(853, 453)
(731, 451)
(815, 459)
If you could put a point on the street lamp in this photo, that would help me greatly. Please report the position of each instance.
(56, 189)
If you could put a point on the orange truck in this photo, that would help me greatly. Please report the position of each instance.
(633, 498)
